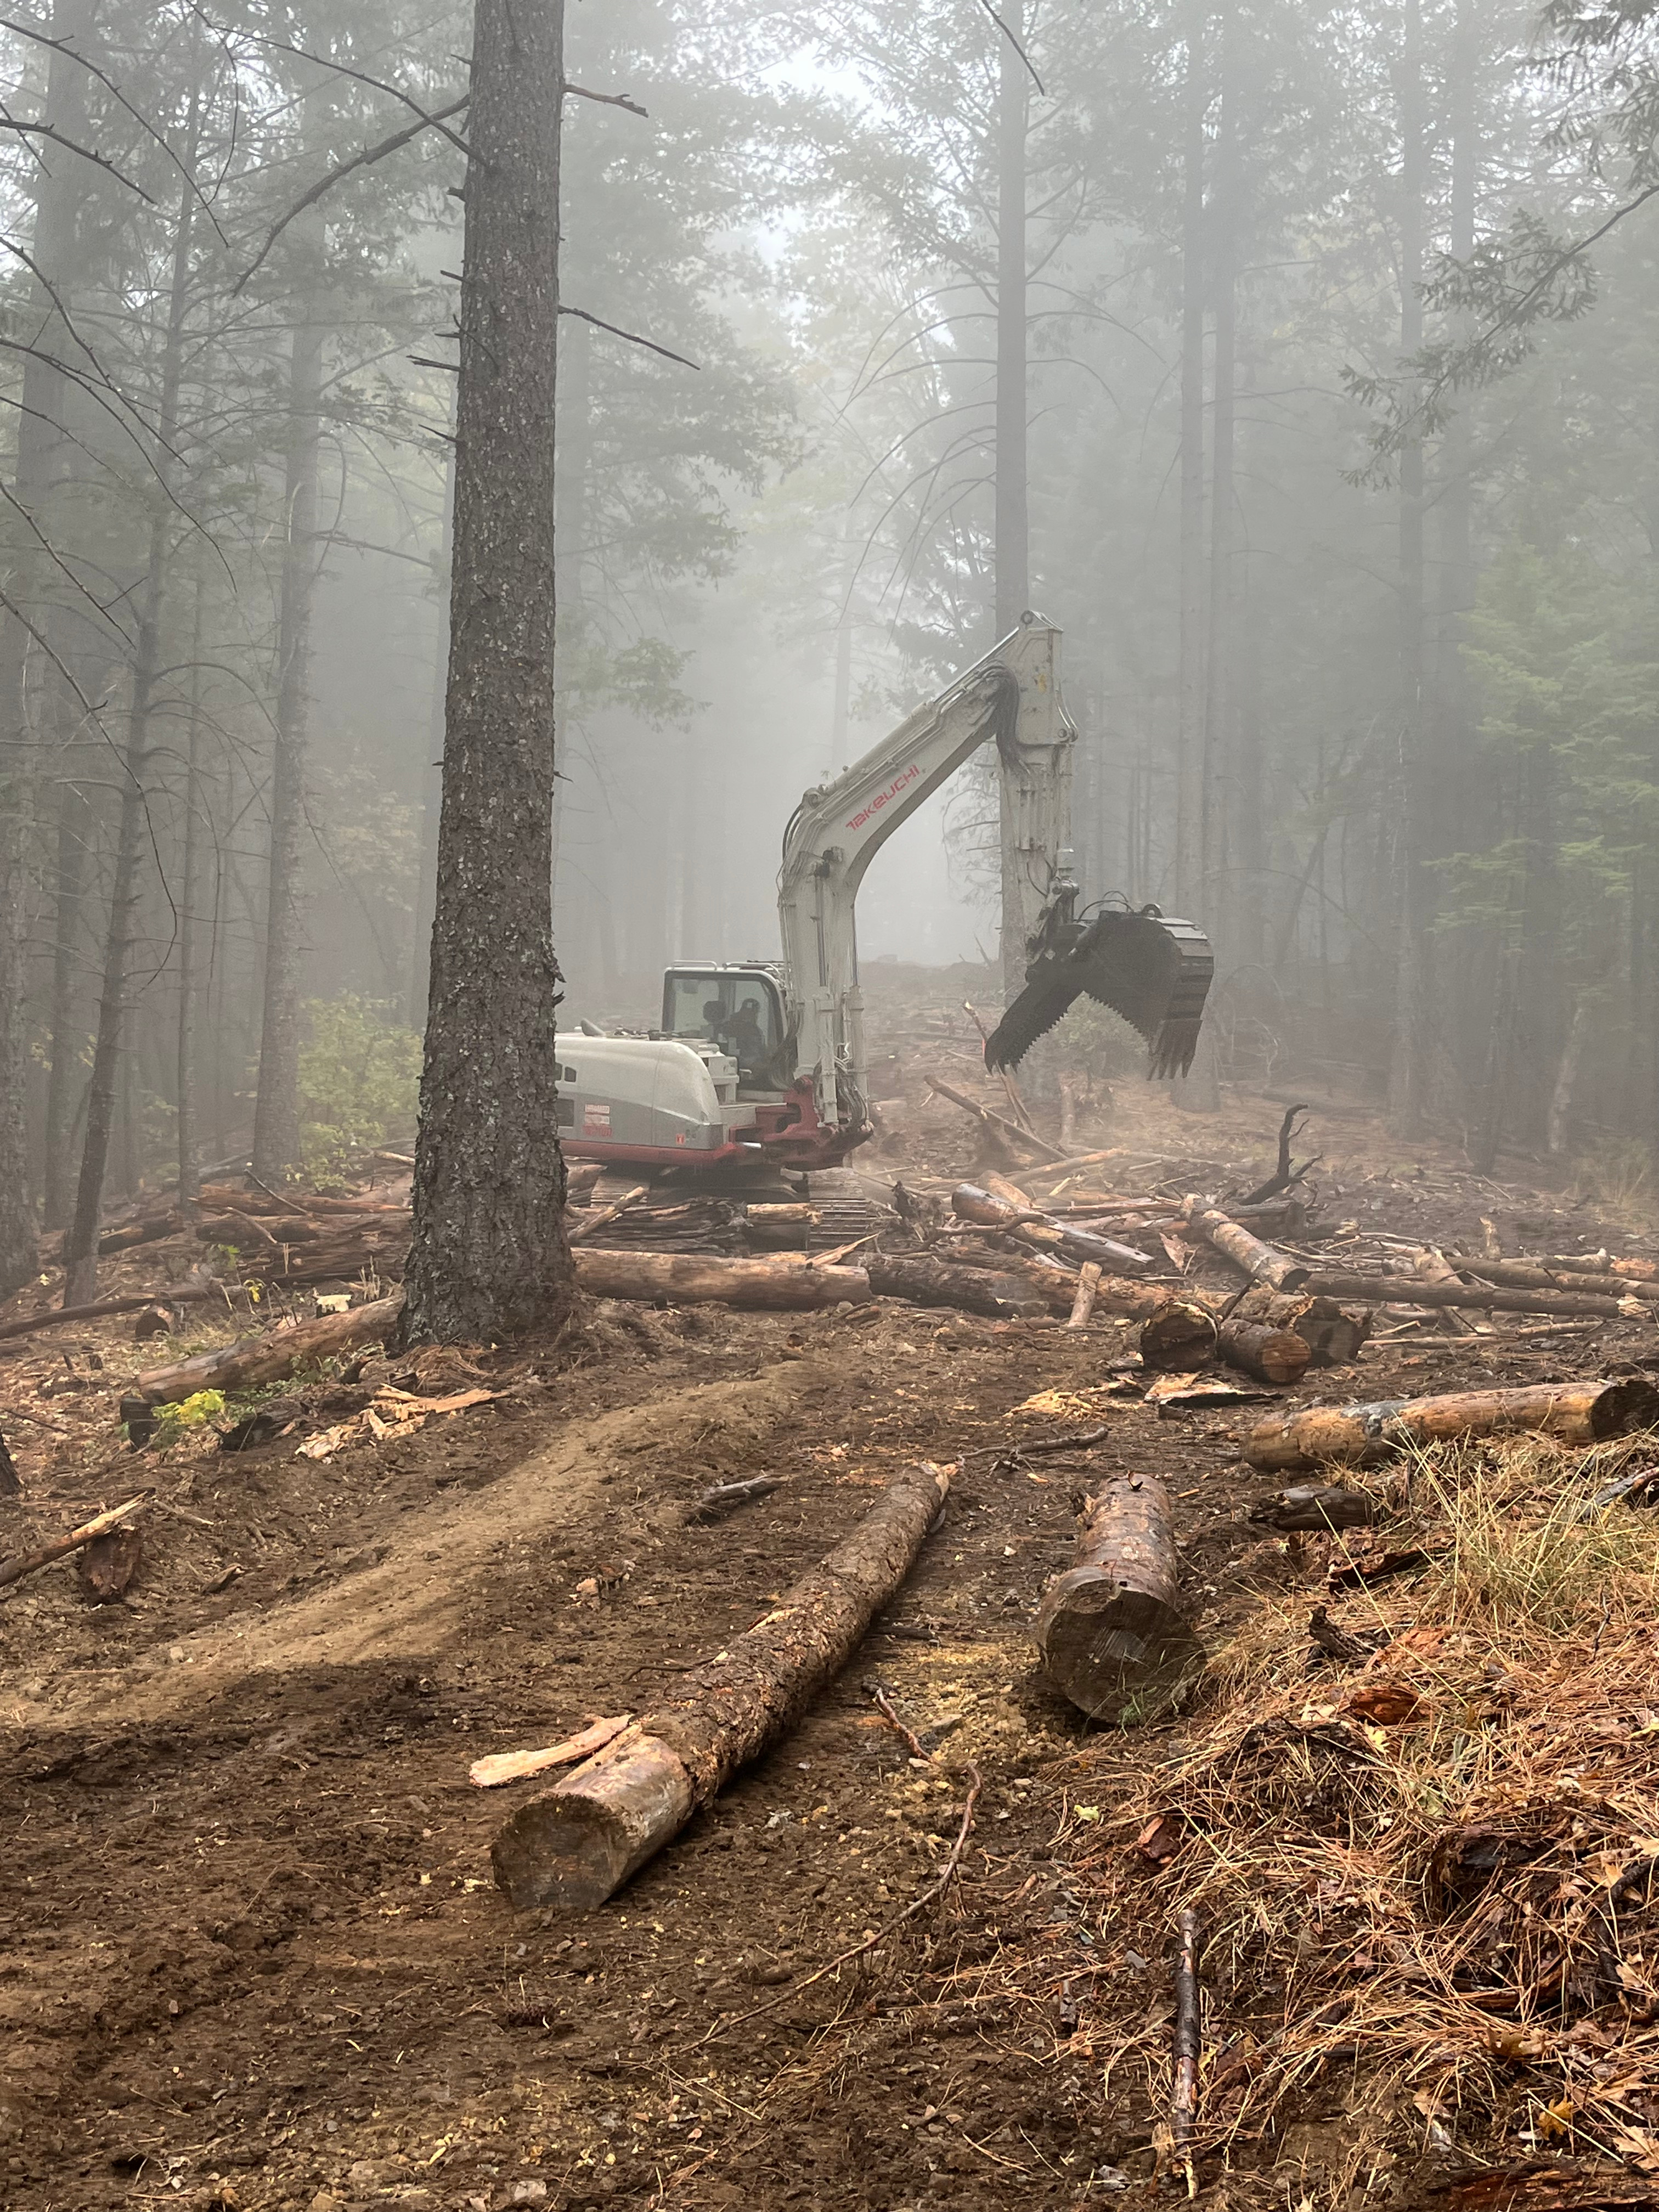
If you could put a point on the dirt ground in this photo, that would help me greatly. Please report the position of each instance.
(252, 1953)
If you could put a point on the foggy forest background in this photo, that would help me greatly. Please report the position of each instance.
(1380, 710)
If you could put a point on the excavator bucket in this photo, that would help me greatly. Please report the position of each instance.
(1150, 967)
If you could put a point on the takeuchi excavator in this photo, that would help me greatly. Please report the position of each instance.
(764, 1062)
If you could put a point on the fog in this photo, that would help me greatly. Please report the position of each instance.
(1257, 347)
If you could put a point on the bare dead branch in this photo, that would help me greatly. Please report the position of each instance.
(433, 121)
(66, 47)
(342, 170)
(1015, 44)
(633, 337)
(57, 137)
(604, 99)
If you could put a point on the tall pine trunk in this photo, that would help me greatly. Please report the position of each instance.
(1189, 807)
(489, 1257)
(276, 1106)
(105, 1088)
(1408, 1068)
(192, 893)
(44, 453)
(1012, 520)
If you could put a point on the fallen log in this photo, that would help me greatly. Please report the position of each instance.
(1595, 1263)
(577, 1844)
(1262, 1262)
(1003, 1126)
(1179, 1335)
(989, 1209)
(783, 1283)
(269, 1358)
(1312, 1508)
(1363, 1436)
(1332, 1333)
(179, 1294)
(1532, 1275)
(921, 1280)
(1087, 1288)
(501, 1766)
(13, 1570)
(1412, 1291)
(1256, 1347)
(1111, 1629)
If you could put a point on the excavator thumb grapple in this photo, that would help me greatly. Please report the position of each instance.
(1147, 966)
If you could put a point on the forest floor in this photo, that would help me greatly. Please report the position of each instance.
(253, 1955)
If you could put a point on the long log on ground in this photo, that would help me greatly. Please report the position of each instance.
(1576, 1282)
(783, 1283)
(1138, 1300)
(181, 1294)
(269, 1358)
(1003, 1126)
(1256, 1347)
(577, 1844)
(1595, 1263)
(1180, 1334)
(1363, 1436)
(13, 1570)
(1111, 1630)
(1410, 1291)
(989, 1209)
(922, 1280)
(1262, 1262)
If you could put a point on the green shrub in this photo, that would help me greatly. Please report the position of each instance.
(359, 1081)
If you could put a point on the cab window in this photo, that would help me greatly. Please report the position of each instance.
(738, 1013)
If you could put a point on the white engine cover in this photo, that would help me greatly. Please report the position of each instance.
(621, 1097)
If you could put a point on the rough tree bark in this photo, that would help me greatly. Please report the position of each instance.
(489, 1257)
(276, 1106)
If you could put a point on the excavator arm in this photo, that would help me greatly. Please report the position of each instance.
(1011, 699)
(1153, 970)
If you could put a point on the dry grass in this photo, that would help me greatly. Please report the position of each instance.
(1429, 1882)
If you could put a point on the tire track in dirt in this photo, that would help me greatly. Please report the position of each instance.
(413, 1601)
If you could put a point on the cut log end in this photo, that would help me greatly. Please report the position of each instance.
(1118, 1654)
(576, 1845)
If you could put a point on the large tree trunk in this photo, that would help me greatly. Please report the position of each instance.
(45, 451)
(577, 1845)
(489, 1257)
(276, 1107)
(75, 828)
(1012, 548)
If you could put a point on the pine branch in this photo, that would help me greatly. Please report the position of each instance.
(633, 337)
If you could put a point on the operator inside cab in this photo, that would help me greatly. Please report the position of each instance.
(739, 1033)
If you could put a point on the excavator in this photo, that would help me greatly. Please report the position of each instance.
(762, 1063)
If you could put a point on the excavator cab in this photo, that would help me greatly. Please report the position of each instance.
(740, 1009)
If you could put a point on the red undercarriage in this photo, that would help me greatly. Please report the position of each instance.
(786, 1132)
